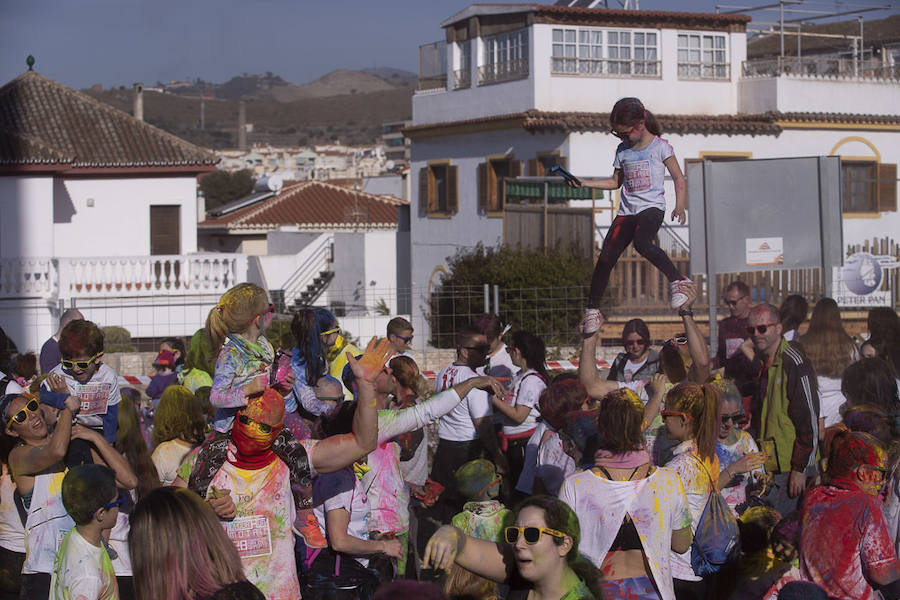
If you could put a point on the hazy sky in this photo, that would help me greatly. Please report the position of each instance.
(118, 42)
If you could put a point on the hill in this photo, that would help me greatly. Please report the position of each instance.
(352, 118)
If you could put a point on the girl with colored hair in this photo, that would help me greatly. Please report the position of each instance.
(692, 419)
(235, 329)
(179, 427)
(830, 350)
(540, 558)
(309, 362)
(641, 160)
(181, 552)
(633, 514)
(519, 408)
(199, 363)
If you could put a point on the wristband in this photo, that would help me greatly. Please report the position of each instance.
(686, 312)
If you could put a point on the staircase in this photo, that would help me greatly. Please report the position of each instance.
(314, 289)
(311, 278)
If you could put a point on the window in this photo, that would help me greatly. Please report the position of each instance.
(491, 185)
(868, 187)
(438, 189)
(596, 52)
(165, 229)
(505, 57)
(702, 56)
(462, 77)
(541, 164)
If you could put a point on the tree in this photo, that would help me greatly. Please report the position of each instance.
(541, 293)
(222, 187)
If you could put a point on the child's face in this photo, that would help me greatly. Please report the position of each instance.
(110, 513)
(82, 367)
(784, 551)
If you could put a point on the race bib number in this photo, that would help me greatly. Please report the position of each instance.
(94, 398)
(637, 176)
(250, 535)
(732, 345)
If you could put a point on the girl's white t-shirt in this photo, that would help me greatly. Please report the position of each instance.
(657, 505)
(341, 489)
(830, 399)
(643, 175)
(526, 391)
(167, 457)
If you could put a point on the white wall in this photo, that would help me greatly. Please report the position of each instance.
(381, 267)
(26, 206)
(797, 93)
(118, 224)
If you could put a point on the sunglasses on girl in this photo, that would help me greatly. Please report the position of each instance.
(760, 328)
(625, 135)
(271, 309)
(22, 415)
(532, 535)
(733, 418)
(81, 365)
(675, 413)
(245, 420)
(639, 342)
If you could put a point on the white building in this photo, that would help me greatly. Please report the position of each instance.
(99, 212)
(517, 88)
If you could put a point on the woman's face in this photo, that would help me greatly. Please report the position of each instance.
(678, 427)
(731, 414)
(635, 346)
(34, 427)
(537, 561)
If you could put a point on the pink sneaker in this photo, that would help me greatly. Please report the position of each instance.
(593, 320)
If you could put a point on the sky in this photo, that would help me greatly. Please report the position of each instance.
(119, 42)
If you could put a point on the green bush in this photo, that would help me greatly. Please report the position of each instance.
(279, 334)
(116, 339)
(541, 293)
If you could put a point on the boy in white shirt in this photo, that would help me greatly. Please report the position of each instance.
(82, 568)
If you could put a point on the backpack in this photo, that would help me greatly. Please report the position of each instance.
(716, 538)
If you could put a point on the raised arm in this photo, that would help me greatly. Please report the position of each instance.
(28, 460)
(450, 545)
(696, 342)
(338, 451)
(588, 374)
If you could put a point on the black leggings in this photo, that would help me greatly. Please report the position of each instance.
(639, 229)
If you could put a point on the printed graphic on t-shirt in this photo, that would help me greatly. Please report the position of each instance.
(732, 345)
(250, 535)
(94, 398)
(637, 176)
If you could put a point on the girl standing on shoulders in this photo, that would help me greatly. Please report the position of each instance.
(640, 165)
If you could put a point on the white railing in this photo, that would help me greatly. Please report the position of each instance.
(121, 276)
(704, 70)
(316, 258)
(606, 67)
(820, 66)
(28, 278)
(503, 71)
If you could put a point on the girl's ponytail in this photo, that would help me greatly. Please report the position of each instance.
(237, 308)
(630, 112)
(216, 330)
(307, 330)
(707, 426)
(651, 123)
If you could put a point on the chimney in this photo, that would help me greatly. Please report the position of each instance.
(242, 126)
(139, 101)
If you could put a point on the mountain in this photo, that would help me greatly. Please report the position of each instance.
(335, 83)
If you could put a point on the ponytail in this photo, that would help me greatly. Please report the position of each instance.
(651, 123)
(233, 314)
(307, 328)
(701, 402)
(533, 351)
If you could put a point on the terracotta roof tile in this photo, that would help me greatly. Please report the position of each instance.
(42, 121)
(314, 204)
(644, 18)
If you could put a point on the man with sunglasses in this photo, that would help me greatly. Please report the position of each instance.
(845, 546)
(785, 407)
(732, 332)
(400, 336)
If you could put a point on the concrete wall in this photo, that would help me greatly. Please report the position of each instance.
(26, 206)
(289, 242)
(120, 215)
(797, 93)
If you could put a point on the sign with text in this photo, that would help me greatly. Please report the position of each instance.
(858, 282)
(766, 251)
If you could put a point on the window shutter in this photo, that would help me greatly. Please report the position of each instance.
(452, 189)
(482, 187)
(533, 168)
(887, 187)
(492, 200)
(423, 190)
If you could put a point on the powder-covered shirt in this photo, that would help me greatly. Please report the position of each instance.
(458, 425)
(525, 391)
(167, 457)
(485, 519)
(546, 460)
(643, 175)
(657, 505)
(12, 532)
(735, 491)
(82, 571)
(843, 535)
(342, 490)
(98, 395)
(240, 362)
(698, 483)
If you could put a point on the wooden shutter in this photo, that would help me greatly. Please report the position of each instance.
(423, 190)
(165, 230)
(887, 187)
(432, 191)
(482, 187)
(533, 167)
(452, 189)
(492, 201)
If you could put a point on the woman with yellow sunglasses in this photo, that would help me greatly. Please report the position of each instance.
(539, 561)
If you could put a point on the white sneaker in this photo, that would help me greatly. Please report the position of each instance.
(678, 297)
(593, 319)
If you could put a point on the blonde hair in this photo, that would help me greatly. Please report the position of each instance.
(233, 314)
(179, 415)
(179, 550)
(701, 402)
(406, 372)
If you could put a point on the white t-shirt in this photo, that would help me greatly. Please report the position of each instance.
(458, 425)
(830, 399)
(657, 505)
(526, 391)
(341, 489)
(631, 368)
(100, 392)
(643, 175)
(12, 387)
(118, 541)
(167, 458)
(500, 365)
(82, 570)
(697, 485)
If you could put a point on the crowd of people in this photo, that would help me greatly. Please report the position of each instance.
(318, 470)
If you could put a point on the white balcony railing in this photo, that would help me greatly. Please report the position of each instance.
(704, 70)
(606, 67)
(108, 277)
(820, 66)
(503, 71)
(462, 78)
